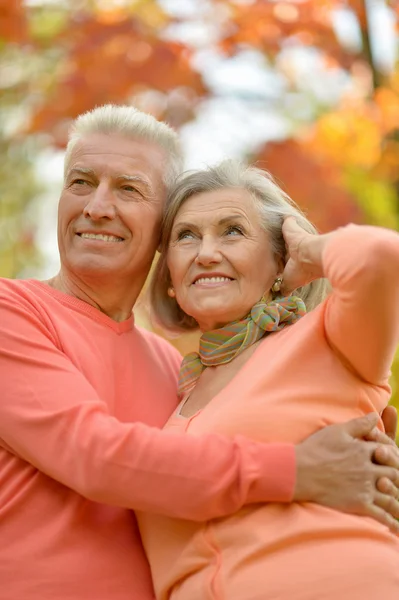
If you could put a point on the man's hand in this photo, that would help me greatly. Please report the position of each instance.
(382, 455)
(389, 417)
(337, 468)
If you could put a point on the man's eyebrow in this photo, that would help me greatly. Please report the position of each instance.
(81, 171)
(136, 179)
(121, 176)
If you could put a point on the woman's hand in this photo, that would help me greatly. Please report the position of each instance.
(304, 251)
(337, 468)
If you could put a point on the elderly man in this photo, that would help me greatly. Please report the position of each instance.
(85, 393)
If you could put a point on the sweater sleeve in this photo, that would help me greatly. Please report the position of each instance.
(362, 313)
(51, 417)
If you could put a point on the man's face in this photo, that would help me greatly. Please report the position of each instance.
(110, 208)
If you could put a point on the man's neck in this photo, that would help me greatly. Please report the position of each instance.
(111, 298)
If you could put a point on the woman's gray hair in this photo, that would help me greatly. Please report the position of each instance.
(128, 122)
(273, 205)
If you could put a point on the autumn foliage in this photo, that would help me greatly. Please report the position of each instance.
(108, 52)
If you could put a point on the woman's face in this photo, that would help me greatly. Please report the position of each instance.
(219, 257)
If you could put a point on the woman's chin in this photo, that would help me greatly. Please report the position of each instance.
(214, 318)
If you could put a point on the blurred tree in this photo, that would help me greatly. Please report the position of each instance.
(347, 150)
(342, 162)
(60, 59)
(57, 59)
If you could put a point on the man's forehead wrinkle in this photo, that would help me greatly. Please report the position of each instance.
(85, 149)
(141, 179)
(118, 164)
(83, 153)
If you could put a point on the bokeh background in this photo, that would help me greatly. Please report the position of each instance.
(306, 89)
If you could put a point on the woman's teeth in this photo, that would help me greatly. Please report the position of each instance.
(212, 280)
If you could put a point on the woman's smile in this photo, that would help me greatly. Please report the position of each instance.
(211, 280)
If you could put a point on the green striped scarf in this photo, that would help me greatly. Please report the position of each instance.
(220, 346)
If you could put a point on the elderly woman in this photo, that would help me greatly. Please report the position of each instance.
(268, 371)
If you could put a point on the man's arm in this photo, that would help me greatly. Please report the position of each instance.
(51, 417)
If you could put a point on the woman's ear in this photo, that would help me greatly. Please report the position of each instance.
(280, 264)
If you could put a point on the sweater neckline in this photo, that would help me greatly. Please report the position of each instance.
(84, 308)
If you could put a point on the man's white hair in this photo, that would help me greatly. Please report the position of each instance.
(128, 122)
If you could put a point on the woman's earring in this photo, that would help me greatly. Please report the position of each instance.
(171, 292)
(276, 287)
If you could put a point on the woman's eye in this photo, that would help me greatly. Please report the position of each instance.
(233, 230)
(185, 235)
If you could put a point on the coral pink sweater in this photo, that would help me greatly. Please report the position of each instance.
(82, 401)
(331, 366)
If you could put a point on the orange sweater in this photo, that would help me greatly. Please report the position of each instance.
(82, 398)
(329, 367)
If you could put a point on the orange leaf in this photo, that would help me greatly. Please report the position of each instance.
(315, 184)
(13, 23)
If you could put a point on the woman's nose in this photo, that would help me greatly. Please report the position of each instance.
(208, 252)
(100, 204)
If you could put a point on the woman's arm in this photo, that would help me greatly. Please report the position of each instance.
(362, 313)
(362, 325)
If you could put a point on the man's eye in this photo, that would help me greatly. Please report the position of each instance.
(129, 188)
(79, 182)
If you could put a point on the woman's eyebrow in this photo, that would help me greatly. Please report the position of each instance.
(230, 218)
(223, 221)
(183, 225)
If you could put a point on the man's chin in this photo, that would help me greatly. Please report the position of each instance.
(94, 266)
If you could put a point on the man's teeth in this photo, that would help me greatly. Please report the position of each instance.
(101, 236)
(212, 279)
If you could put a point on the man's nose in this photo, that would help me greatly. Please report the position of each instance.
(208, 252)
(100, 204)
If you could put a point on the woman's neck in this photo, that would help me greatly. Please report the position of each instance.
(212, 381)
